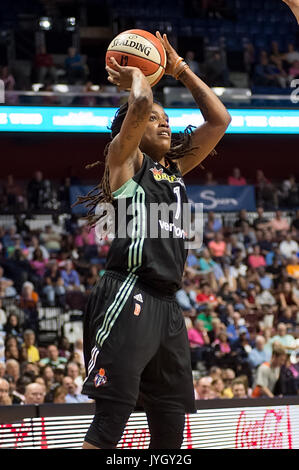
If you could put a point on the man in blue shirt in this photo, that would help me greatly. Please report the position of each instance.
(259, 354)
(70, 276)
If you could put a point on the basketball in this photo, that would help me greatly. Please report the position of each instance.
(139, 48)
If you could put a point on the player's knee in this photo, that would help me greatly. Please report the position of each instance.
(108, 424)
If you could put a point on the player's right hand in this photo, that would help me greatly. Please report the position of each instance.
(121, 76)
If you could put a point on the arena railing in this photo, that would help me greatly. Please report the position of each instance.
(262, 423)
(169, 96)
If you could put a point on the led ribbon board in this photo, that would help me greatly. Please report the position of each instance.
(85, 119)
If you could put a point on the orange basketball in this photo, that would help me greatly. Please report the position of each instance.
(139, 48)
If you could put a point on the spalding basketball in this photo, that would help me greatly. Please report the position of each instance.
(139, 48)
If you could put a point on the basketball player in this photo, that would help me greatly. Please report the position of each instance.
(135, 340)
(294, 6)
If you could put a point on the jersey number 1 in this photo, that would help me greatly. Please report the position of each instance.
(176, 191)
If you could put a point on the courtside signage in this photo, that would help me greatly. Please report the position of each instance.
(262, 427)
(84, 119)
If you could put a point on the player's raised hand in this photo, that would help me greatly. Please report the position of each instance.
(172, 55)
(121, 76)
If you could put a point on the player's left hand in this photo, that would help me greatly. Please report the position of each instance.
(172, 55)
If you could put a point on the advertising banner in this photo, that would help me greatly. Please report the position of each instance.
(223, 198)
(260, 427)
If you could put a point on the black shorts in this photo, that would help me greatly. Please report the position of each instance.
(135, 342)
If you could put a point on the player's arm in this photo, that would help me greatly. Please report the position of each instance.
(294, 6)
(124, 147)
(216, 118)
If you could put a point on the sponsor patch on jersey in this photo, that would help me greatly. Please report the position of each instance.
(160, 175)
(137, 309)
(138, 297)
(100, 378)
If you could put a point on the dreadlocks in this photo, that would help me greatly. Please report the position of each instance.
(181, 144)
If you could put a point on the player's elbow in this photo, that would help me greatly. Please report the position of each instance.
(143, 102)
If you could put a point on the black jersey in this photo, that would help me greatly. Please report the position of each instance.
(154, 248)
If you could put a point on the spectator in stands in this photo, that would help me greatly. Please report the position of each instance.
(288, 247)
(267, 74)
(7, 78)
(284, 339)
(53, 358)
(12, 350)
(266, 194)
(51, 239)
(292, 55)
(34, 394)
(260, 222)
(59, 395)
(30, 352)
(29, 302)
(287, 298)
(216, 71)
(239, 389)
(268, 374)
(6, 286)
(186, 298)
(288, 382)
(75, 71)
(72, 396)
(193, 64)
(256, 259)
(73, 371)
(294, 70)
(218, 249)
(54, 288)
(5, 399)
(38, 262)
(289, 195)
(198, 340)
(209, 179)
(258, 355)
(236, 179)
(228, 375)
(14, 198)
(286, 316)
(37, 192)
(44, 66)
(203, 389)
(70, 277)
(12, 369)
(292, 267)
(236, 328)
(34, 244)
(217, 387)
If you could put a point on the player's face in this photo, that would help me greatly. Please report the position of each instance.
(157, 136)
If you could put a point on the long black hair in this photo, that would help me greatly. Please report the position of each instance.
(181, 144)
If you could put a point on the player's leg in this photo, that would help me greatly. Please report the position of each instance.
(108, 425)
(167, 384)
(166, 429)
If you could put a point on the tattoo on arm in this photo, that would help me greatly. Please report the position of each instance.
(200, 96)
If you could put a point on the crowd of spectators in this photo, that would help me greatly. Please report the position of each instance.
(239, 296)
(40, 194)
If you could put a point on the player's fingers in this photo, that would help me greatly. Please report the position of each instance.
(113, 80)
(168, 45)
(115, 63)
(160, 38)
(112, 72)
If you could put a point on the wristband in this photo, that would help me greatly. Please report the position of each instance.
(183, 67)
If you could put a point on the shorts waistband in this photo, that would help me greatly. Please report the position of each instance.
(142, 286)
